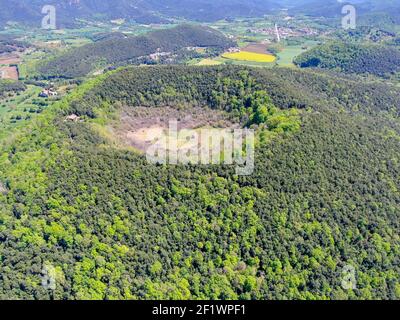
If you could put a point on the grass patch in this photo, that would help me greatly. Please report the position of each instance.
(208, 62)
(287, 54)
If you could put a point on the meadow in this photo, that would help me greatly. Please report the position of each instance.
(286, 56)
(208, 62)
(288, 53)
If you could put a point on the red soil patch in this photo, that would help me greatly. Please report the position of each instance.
(256, 48)
(10, 59)
(9, 73)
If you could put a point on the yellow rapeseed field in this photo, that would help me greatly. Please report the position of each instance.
(249, 56)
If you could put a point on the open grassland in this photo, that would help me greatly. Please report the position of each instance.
(250, 56)
(286, 56)
(208, 62)
(30, 61)
(288, 53)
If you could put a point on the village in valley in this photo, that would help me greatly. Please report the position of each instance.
(268, 41)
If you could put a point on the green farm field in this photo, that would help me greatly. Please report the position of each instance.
(19, 108)
(286, 56)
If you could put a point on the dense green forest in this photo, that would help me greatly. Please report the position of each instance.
(119, 50)
(324, 194)
(365, 34)
(377, 60)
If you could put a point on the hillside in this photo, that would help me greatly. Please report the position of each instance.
(144, 12)
(372, 13)
(9, 44)
(213, 10)
(28, 12)
(332, 8)
(324, 194)
(10, 86)
(117, 51)
(352, 58)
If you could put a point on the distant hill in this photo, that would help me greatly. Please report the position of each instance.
(29, 11)
(352, 58)
(378, 13)
(146, 12)
(163, 11)
(122, 50)
(328, 8)
(7, 86)
(212, 10)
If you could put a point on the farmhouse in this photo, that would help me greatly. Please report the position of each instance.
(46, 93)
(156, 56)
(72, 118)
(233, 50)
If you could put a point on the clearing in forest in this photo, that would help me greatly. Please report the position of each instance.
(140, 126)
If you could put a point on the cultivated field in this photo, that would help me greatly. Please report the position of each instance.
(256, 48)
(286, 56)
(17, 107)
(250, 56)
(10, 59)
(9, 73)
